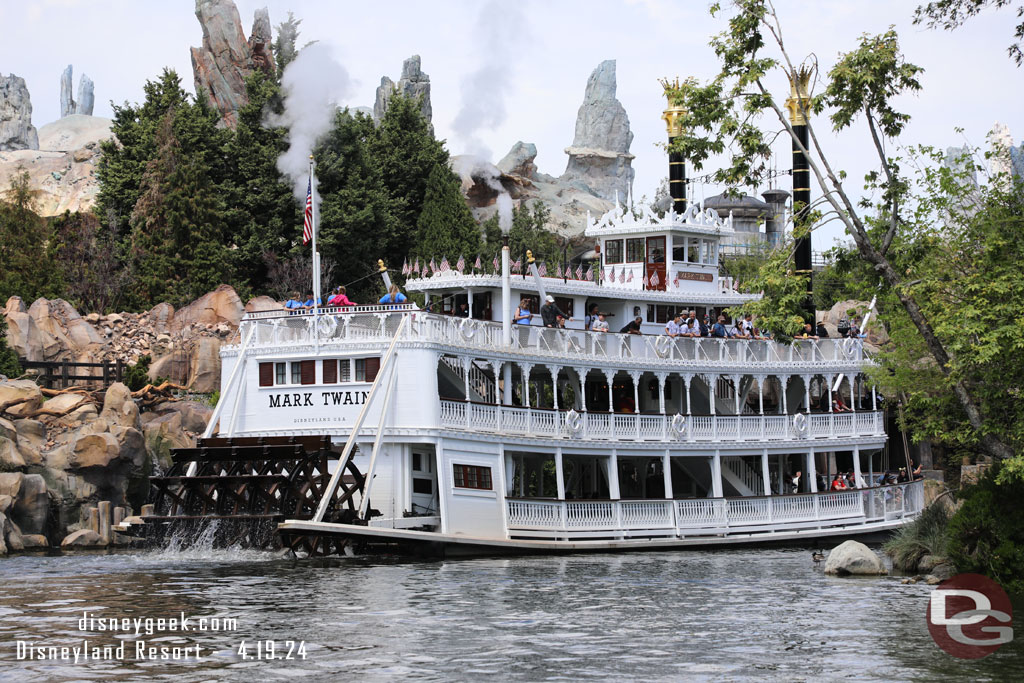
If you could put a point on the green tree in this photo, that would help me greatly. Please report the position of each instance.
(9, 366)
(722, 118)
(527, 233)
(23, 235)
(284, 46)
(781, 308)
(177, 238)
(445, 226)
(950, 14)
(356, 214)
(83, 255)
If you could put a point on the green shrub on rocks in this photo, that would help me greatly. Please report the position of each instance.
(926, 535)
(9, 365)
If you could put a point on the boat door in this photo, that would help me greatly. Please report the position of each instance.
(424, 481)
(657, 276)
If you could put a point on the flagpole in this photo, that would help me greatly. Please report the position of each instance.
(316, 254)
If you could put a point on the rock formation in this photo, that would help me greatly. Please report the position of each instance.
(599, 158)
(16, 130)
(413, 83)
(519, 160)
(86, 98)
(226, 58)
(853, 557)
(67, 102)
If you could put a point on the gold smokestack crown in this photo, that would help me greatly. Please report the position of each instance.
(799, 97)
(672, 116)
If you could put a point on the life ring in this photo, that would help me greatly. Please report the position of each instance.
(326, 326)
(848, 346)
(467, 330)
(574, 421)
(678, 425)
(800, 423)
(662, 346)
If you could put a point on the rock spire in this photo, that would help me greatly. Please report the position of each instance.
(413, 83)
(86, 98)
(16, 129)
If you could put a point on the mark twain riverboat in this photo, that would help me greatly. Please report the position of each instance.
(467, 434)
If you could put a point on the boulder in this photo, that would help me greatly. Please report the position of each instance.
(31, 439)
(6, 502)
(31, 500)
(262, 303)
(599, 157)
(413, 84)
(118, 406)
(65, 403)
(160, 317)
(20, 390)
(94, 450)
(222, 305)
(132, 445)
(35, 541)
(11, 459)
(854, 558)
(16, 129)
(173, 366)
(11, 533)
(261, 43)
(205, 376)
(15, 305)
(519, 160)
(8, 430)
(83, 538)
(24, 338)
(86, 96)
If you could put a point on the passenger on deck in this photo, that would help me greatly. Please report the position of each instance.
(808, 332)
(839, 483)
(523, 315)
(591, 318)
(851, 480)
(632, 327)
(393, 296)
(310, 304)
(600, 325)
(691, 328)
(550, 311)
(462, 311)
(293, 305)
(794, 482)
(738, 330)
(822, 331)
(675, 328)
(340, 298)
(838, 406)
(719, 329)
(855, 327)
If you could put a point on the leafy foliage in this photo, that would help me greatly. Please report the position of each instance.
(83, 253)
(527, 233)
(950, 14)
(22, 236)
(136, 376)
(780, 310)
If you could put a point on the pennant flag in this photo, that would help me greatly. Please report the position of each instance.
(590, 273)
(444, 264)
(477, 264)
(579, 272)
(460, 265)
(495, 262)
(433, 268)
(655, 280)
(307, 216)
(543, 270)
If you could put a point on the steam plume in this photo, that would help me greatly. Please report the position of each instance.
(467, 166)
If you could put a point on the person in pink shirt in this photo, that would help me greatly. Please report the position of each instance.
(339, 298)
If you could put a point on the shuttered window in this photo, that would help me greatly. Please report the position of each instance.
(472, 477)
(372, 368)
(330, 371)
(266, 374)
(308, 371)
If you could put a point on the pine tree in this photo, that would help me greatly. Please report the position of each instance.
(9, 366)
(445, 226)
(284, 46)
(177, 239)
(22, 236)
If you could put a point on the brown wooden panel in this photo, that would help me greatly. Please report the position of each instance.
(372, 368)
(266, 374)
(331, 371)
(308, 371)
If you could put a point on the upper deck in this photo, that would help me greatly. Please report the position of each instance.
(336, 329)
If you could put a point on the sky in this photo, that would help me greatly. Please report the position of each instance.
(523, 65)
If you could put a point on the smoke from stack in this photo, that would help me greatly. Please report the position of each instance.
(313, 84)
(475, 168)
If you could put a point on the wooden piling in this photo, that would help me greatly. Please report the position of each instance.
(104, 515)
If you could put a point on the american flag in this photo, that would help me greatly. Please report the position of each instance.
(622, 276)
(477, 264)
(590, 272)
(568, 272)
(444, 264)
(433, 268)
(495, 263)
(646, 281)
(675, 283)
(405, 266)
(543, 270)
(629, 278)
(517, 267)
(611, 276)
(307, 216)
(416, 267)
(579, 271)
(460, 265)
(655, 280)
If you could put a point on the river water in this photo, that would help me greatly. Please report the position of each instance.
(704, 615)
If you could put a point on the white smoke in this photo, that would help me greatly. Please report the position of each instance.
(313, 84)
(501, 30)
(473, 168)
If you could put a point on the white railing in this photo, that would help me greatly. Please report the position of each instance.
(631, 427)
(719, 516)
(748, 476)
(378, 323)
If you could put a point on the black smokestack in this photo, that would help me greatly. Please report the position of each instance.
(676, 162)
(798, 105)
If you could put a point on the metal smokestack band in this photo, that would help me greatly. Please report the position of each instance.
(798, 104)
(673, 117)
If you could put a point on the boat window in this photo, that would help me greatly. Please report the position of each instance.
(345, 367)
(635, 250)
(307, 371)
(360, 370)
(281, 373)
(613, 251)
(472, 477)
(693, 250)
(565, 304)
(679, 249)
(330, 371)
(266, 374)
(656, 253)
(296, 372)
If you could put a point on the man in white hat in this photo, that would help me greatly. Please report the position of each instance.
(549, 312)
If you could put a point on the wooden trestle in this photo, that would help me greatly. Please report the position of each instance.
(242, 487)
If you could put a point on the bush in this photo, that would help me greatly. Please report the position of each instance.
(986, 535)
(9, 365)
(137, 375)
(926, 535)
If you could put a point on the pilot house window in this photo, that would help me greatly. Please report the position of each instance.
(472, 477)
(635, 250)
(613, 251)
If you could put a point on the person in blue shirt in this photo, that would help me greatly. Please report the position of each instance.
(293, 305)
(523, 315)
(393, 296)
(719, 329)
(309, 303)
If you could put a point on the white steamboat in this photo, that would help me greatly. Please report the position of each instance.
(478, 435)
